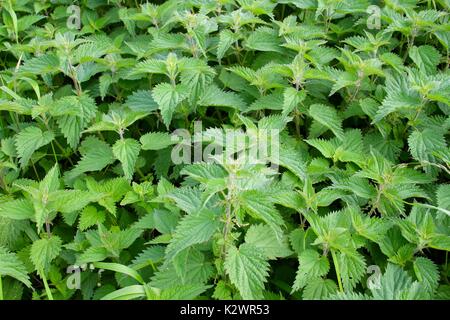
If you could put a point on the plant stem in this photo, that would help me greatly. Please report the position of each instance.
(1, 288)
(338, 272)
(47, 288)
(47, 228)
(54, 152)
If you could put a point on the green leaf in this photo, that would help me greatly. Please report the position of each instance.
(248, 270)
(392, 284)
(226, 39)
(311, 266)
(191, 267)
(10, 265)
(426, 58)
(127, 293)
(110, 191)
(50, 183)
(292, 99)
(95, 155)
(156, 140)
(328, 117)
(72, 125)
(187, 292)
(352, 268)
(168, 98)
(47, 63)
(20, 209)
(90, 217)
(264, 39)
(263, 238)
(187, 199)
(257, 205)
(427, 272)
(213, 96)
(93, 254)
(400, 97)
(121, 269)
(319, 289)
(443, 196)
(422, 144)
(127, 151)
(193, 229)
(141, 100)
(44, 251)
(67, 201)
(29, 140)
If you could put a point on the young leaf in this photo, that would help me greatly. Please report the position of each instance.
(127, 151)
(168, 98)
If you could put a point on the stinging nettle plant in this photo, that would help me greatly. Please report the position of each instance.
(352, 201)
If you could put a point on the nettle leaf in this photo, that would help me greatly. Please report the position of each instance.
(72, 125)
(67, 201)
(156, 140)
(312, 266)
(319, 289)
(168, 98)
(19, 209)
(12, 266)
(213, 96)
(427, 272)
(400, 97)
(206, 173)
(396, 284)
(264, 39)
(263, 238)
(248, 270)
(257, 205)
(108, 191)
(186, 198)
(44, 251)
(328, 117)
(292, 99)
(95, 155)
(443, 196)
(226, 40)
(426, 58)
(47, 63)
(191, 267)
(193, 229)
(29, 140)
(422, 144)
(353, 268)
(127, 151)
(89, 217)
(141, 100)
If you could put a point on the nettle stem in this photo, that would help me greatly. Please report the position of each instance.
(228, 214)
(47, 228)
(338, 272)
(1, 288)
(46, 286)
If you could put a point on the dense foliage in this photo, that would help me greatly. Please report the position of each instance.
(355, 205)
